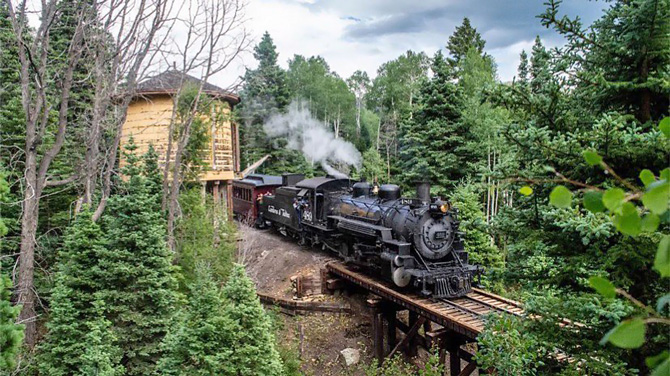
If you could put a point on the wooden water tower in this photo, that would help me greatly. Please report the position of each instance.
(148, 121)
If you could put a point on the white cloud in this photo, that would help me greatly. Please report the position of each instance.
(312, 27)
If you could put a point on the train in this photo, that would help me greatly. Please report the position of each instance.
(414, 243)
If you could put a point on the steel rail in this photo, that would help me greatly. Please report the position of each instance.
(452, 314)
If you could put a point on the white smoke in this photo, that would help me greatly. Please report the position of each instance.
(313, 138)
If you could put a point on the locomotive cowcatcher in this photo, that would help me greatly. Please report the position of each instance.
(413, 242)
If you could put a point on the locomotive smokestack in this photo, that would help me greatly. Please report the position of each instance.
(423, 191)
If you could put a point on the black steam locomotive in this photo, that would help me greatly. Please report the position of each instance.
(411, 242)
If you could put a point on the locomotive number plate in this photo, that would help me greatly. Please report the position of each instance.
(440, 235)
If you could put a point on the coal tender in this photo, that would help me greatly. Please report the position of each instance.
(413, 242)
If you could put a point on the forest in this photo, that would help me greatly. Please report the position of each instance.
(561, 177)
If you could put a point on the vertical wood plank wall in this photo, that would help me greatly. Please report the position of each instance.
(148, 121)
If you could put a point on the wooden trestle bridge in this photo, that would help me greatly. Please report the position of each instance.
(448, 324)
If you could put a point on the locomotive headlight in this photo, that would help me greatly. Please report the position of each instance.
(439, 207)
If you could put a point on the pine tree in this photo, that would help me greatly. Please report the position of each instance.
(11, 110)
(77, 325)
(266, 92)
(11, 334)
(137, 279)
(152, 173)
(69, 15)
(102, 355)
(268, 81)
(12, 128)
(461, 41)
(253, 344)
(431, 142)
(622, 58)
(473, 222)
(522, 70)
(540, 73)
(201, 341)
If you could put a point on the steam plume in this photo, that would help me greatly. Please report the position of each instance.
(313, 138)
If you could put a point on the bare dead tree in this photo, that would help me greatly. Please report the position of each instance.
(215, 37)
(38, 101)
(139, 30)
(135, 24)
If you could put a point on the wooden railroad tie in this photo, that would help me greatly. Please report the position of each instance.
(293, 307)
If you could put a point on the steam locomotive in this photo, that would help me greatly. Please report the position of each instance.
(413, 242)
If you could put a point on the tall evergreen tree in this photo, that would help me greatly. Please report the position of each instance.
(12, 129)
(137, 283)
(265, 92)
(267, 82)
(522, 70)
(253, 343)
(461, 41)
(622, 60)
(77, 324)
(11, 334)
(431, 141)
(540, 73)
(201, 341)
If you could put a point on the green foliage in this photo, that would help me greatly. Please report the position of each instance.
(11, 334)
(592, 158)
(602, 286)
(266, 91)
(396, 366)
(391, 367)
(137, 278)
(203, 236)
(477, 240)
(325, 93)
(507, 347)
(374, 168)
(629, 334)
(393, 97)
(623, 57)
(561, 197)
(201, 340)
(12, 135)
(662, 259)
(253, 344)
(77, 327)
(526, 190)
(195, 152)
(434, 132)
(464, 39)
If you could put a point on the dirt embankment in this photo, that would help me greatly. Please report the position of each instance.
(271, 261)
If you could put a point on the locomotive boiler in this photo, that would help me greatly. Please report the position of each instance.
(413, 242)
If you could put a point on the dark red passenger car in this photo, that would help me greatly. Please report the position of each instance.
(248, 191)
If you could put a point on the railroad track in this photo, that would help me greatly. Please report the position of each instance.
(465, 315)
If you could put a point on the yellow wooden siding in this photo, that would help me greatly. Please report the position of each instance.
(148, 122)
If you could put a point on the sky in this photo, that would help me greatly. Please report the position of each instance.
(363, 34)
